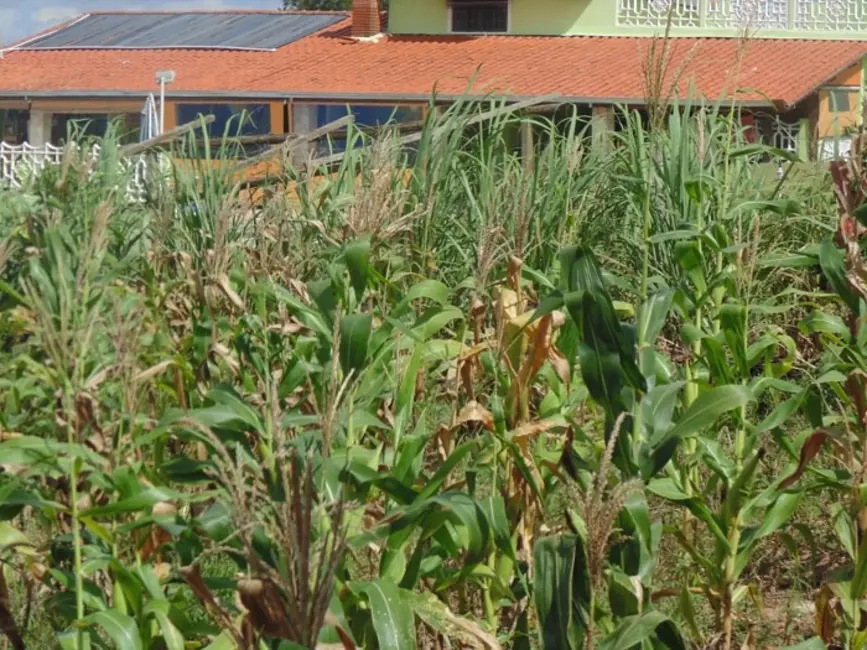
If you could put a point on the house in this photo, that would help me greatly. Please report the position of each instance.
(798, 75)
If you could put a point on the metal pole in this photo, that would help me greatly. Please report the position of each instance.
(162, 106)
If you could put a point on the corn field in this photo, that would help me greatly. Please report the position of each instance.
(610, 397)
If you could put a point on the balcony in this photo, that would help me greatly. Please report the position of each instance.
(796, 17)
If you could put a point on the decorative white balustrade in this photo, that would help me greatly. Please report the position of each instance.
(795, 15)
(785, 135)
(831, 15)
(19, 163)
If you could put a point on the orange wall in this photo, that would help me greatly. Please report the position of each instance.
(833, 122)
(849, 77)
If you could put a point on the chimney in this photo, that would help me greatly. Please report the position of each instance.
(366, 20)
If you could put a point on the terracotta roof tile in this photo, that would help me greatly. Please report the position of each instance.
(330, 65)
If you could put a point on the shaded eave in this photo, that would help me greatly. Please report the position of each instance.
(410, 98)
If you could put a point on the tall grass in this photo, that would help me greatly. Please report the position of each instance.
(364, 387)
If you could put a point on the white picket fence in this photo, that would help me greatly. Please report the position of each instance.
(19, 163)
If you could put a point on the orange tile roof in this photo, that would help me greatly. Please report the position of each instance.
(331, 65)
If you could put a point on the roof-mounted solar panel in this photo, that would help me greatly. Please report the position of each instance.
(229, 31)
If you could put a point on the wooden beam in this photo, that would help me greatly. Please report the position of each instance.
(163, 138)
(295, 141)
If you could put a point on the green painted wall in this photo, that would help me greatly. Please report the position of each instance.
(566, 17)
(553, 17)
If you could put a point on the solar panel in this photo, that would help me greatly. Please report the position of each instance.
(254, 31)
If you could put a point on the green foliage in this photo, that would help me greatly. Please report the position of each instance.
(439, 393)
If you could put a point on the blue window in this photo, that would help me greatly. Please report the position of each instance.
(231, 120)
(80, 126)
(239, 119)
(365, 115)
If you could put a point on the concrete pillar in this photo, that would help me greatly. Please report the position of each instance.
(39, 128)
(805, 131)
(303, 121)
(602, 126)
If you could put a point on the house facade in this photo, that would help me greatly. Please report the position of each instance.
(795, 68)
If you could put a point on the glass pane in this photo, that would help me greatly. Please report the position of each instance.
(13, 126)
(366, 115)
(840, 101)
(77, 126)
(480, 17)
(229, 119)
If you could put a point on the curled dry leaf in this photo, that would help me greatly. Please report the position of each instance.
(809, 451)
(94, 382)
(264, 603)
(474, 412)
(530, 430)
(222, 282)
(153, 371)
(560, 365)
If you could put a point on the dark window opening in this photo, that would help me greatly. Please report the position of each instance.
(66, 127)
(13, 126)
(365, 116)
(479, 16)
(231, 121)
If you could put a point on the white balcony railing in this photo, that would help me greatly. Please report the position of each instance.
(845, 16)
(18, 163)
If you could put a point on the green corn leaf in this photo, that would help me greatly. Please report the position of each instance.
(654, 312)
(121, 629)
(495, 511)
(634, 630)
(834, 269)
(406, 394)
(733, 320)
(739, 487)
(602, 375)
(845, 530)
(657, 407)
(781, 413)
(228, 408)
(579, 270)
(706, 409)
(687, 610)
(815, 643)
(172, 637)
(358, 263)
(717, 361)
(819, 322)
(784, 207)
(354, 342)
(776, 517)
(435, 321)
(144, 500)
(622, 596)
(562, 591)
(393, 619)
(324, 297)
(690, 258)
(222, 642)
(432, 290)
(456, 457)
(858, 586)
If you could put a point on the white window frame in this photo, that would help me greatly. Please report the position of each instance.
(508, 22)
